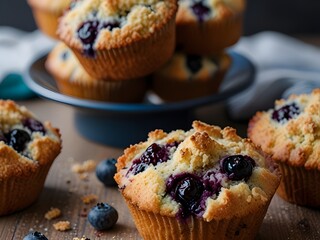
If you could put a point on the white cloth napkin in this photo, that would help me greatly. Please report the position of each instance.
(19, 48)
(284, 66)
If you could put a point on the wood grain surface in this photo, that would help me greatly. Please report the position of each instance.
(64, 189)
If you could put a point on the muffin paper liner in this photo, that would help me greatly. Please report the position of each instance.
(210, 37)
(299, 185)
(153, 226)
(18, 192)
(134, 60)
(114, 91)
(170, 89)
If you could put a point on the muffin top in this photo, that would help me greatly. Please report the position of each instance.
(56, 6)
(207, 10)
(206, 172)
(25, 143)
(184, 67)
(63, 63)
(290, 131)
(107, 24)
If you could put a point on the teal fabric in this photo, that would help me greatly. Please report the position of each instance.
(13, 87)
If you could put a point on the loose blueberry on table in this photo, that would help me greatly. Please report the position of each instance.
(103, 216)
(286, 112)
(35, 236)
(105, 172)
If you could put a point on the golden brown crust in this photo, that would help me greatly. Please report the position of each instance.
(140, 24)
(296, 141)
(43, 149)
(221, 28)
(201, 149)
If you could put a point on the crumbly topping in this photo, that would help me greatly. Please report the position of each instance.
(295, 141)
(138, 20)
(86, 166)
(90, 198)
(53, 213)
(62, 226)
(200, 150)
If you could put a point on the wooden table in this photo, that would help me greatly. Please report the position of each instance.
(64, 189)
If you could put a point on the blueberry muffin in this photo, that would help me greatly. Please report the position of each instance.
(46, 14)
(73, 80)
(207, 27)
(188, 76)
(120, 39)
(204, 182)
(27, 150)
(290, 134)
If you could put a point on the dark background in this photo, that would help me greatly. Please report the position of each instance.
(287, 16)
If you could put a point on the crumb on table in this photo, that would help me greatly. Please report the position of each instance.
(89, 198)
(53, 213)
(62, 226)
(86, 166)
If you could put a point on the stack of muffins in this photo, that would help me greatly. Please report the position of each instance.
(109, 50)
(204, 29)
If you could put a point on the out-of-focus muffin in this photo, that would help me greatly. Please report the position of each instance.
(187, 76)
(46, 14)
(290, 134)
(73, 80)
(207, 27)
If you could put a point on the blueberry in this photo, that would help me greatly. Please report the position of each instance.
(18, 138)
(194, 63)
(103, 216)
(237, 167)
(286, 112)
(200, 10)
(35, 236)
(105, 172)
(187, 189)
(88, 33)
(34, 125)
(154, 154)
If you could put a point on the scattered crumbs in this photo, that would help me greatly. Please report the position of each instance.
(83, 238)
(89, 198)
(86, 166)
(62, 226)
(53, 213)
